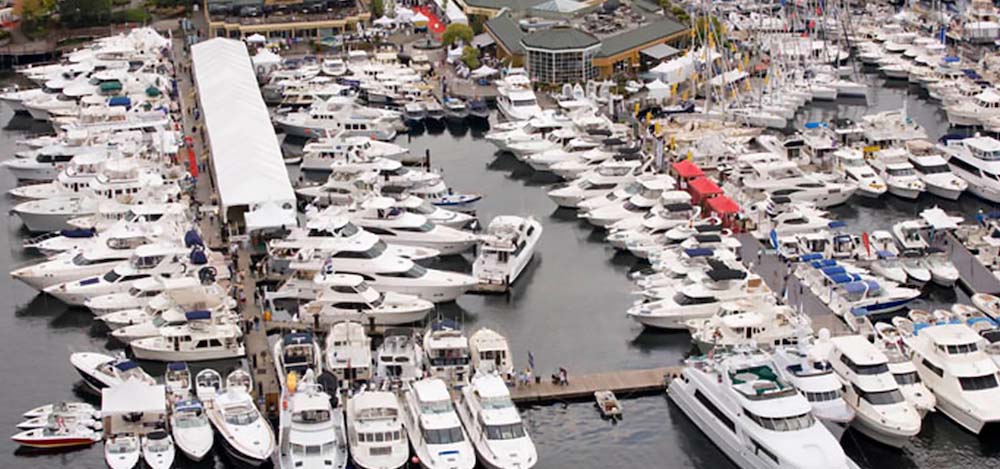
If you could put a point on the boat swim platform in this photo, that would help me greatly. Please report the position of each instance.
(624, 383)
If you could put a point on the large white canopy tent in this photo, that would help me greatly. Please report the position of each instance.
(248, 167)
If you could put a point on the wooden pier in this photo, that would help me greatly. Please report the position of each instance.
(626, 383)
(973, 276)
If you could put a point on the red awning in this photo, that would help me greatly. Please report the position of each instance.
(723, 205)
(704, 187)
(687, 170)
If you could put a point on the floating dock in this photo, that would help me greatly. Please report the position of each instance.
(973, 276)
(625, 383)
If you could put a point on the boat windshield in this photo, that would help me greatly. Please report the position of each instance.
(435, 407)
(82, 260)
(122, 446)
(425, 227)
(782, 424)
(883, 397)
(821, 396)
(416, 271)
(111, 276)
(906, 378)
(379, 437)
(901, 171)
(425, 208)
(313, 450)
(242, 414)
(504, 432)
(503, 402)
(444, 436)
(190, 420)
(523, 102)
(311, 416)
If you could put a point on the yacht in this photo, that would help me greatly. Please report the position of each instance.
(700, 296)
(753, 415)
(439, 216)
(633, 207)
(900, 176)
(952, 363)
(807, 367)
(399, 358)
(200, 338)
(347, 297)
(881, 411)
(72, 178)
(888, 339)
(433, 427)
(332, 233)
(375, 431)
(515, 100)
(851, 166)
(974, 111)
(597, 183)
(977, 160)
(340, 114)
(494, 425)
(348, 353)
(455, 109)
(191, 430)
(70, 267)
(490, 353)
(980, 22)
(319, 155)
(135, 297)
(508, 246)
(296, 353)
(379, 215)
(784, 178)
(447, 355)
(312, 429)
(333, 66)
(247, 436)
(101, 371)
(934, 171)
(158, 450)
(749, 321)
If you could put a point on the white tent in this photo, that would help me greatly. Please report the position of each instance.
(454, 54)
(384, 22)
(255, 39)
(133, 396)
(674, 71)
(248, 167)
(484, 71)
(269, 215)
(404, 15)
(658, 89)
(419, 18)
(265, 57)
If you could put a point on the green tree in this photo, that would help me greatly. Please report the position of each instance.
(34, 14)
(378, 8)
(470, 57)
(457, 31)
(82, 13)
(477, 22)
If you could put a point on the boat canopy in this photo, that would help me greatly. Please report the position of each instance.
(192, 238)
(198, 315)
(823, 263)
(126, 365)
(687, 170)
(723, 205)
(177, 366)
(836, 224)
(708, 228)
(78, 233)
(704, 187)
(844, 278)
(698, 252)
(811, 256)
(833, 270)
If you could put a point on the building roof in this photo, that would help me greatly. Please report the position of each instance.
(507, 32)
(515, 5)
(560, 6)
(560, 38)
(629, 39)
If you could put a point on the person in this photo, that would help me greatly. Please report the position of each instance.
(256, 323)
(528, 376)
(563, 377)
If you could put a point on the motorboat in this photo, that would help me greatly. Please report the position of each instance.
(399, 358)
(508, 246)
(987, 303)
(494, 425)
(312, 428)
(888, 339)
(295, 354)
(598, 183)
(455, 109)
(934, 171)
(882, 413)
(807, 367)
(247, 436)
(742, 322)
(67, 419)
(447, 355)
(784, 178)
(375, 431)
(434, 429)
(953, 365)
(634, 207)
(200, 338)
(158, 450)
(942, 269)
(380, 216)
(122, 451)
(570, 151)
(439, 216)
(515, 100)
(167, 308)
(136, 297)
(439, 194)
(479, 109)
(101, 371)
(62, 408)
(333, 66)
(319, 155)
(414, 112)
(900, 176)
(490, 353)
(59, 437)
(207, 385)
(340, 114)
(976, 110)
(70, 267)
(557, 139)
(348, 353)
(741, 401)
(190, 429)
(852, 166)
(177, 380)
(333, 233)
(977, 160)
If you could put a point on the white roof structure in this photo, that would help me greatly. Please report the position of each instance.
(133, 396)
(255, 38)
(939, 219)
(419, 18)
(384, 21)
(484, 71)
(560, 6)
(246, 156)
(658, 89)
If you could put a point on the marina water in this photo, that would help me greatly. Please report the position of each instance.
(567, 309)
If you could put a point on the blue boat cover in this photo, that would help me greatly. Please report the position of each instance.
(873, 286)
(836, 224)
(192, 238)
(917, 327)
(823, 263)
(882, 254)
(810, 256)
(951, 59)
(78, 233)
(198, 257)
(832, 270)
(844, 278)
(187, 405)
(89, 281)
(176, 366)
(815, 125)
(698, 252)
(198, 315)
(444, 325)
(989, 321)
(126, 365)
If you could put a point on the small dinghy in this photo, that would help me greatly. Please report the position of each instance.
(989, 304)
(177, 380)
(61, 408)
(608, 404)
(158, 450)
(191, 430)
(121, 451)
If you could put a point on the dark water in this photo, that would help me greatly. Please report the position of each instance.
(567, 309)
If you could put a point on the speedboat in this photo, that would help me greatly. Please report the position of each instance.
(63, 408)
(378, 215)
(740, 401)
(942, 269)
(508, 246)
(101, 371)
(247, 436)
(375, 431)
(59, 437)
(67, 419)
(122, 451)
(312, 435)
(177, 380)
(433, 427)
(494, 425)
(207, 385)
(881, 411)
(158, 450)
(347, 297)
(191, 430)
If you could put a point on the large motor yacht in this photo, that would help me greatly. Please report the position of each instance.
(375, 431)
(434, 428)
(494, 424)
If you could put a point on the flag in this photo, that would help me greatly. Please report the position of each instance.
(774, 239)
(531, 360)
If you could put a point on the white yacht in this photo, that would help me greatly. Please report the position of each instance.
(71, 266)
(101, 371)
(433, 427)
(447, 353)
(247, 435)
(189, 426)
(200, 338)
(974, 111)
(348, 353)
(784, 178)
(881, 411)
(379, 215)
(934, 171)
(375, 431)
(851, 165)
(312, 430)
(399, 358)
(439, 216)
(508, 246)
(490, 353)
(515, 100)
(900, 176)
(136, 297)
(952, 363)
(494, 425)
(597, 183)
(750, 321)
(347, 297)
(755, 417)
(807, 367)
(977, 160)
(888, 339)
(340, 114)
(320, 154)
(700, 296)
(633, 207)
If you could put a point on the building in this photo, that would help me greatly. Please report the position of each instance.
(314, 19)
(547, 34)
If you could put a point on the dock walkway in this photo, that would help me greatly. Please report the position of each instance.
(625, 383)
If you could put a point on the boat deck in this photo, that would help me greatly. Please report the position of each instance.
(624, 383)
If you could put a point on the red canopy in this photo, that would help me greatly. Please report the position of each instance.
(687, 170)
(723, 205)
(704, 187)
